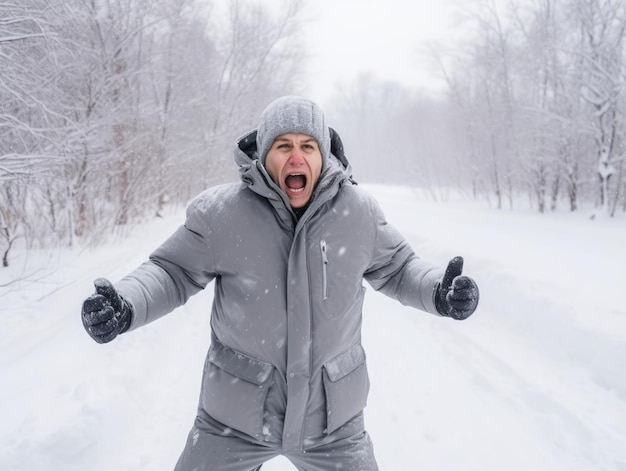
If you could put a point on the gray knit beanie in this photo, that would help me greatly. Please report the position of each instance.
(292, 114)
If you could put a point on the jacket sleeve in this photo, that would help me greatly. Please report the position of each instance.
(397, 272)
(178, 269)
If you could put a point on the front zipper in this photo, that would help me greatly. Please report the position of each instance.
(324, 265)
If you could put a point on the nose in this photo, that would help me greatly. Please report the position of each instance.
(296, 157)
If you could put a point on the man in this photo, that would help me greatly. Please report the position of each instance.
(288, 249)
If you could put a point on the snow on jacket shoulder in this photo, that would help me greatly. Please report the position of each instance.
(286, 363)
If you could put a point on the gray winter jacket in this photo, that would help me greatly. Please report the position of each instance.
(286, 363)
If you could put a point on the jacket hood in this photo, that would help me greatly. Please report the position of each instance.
(252, 172)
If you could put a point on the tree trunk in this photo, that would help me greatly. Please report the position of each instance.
(9, 243)
(554, 193)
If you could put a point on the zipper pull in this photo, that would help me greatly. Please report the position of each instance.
(324, 264)
(324, 253)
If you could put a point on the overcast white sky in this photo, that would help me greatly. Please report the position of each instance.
(348, 37)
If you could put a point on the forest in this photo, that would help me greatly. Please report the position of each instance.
(112, 110)
(532, 113)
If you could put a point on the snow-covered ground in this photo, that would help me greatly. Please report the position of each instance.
(535, 380)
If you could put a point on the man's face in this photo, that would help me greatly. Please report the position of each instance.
(295, 163)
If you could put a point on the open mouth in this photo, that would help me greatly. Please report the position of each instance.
(295, 182)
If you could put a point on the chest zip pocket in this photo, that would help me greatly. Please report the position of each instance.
(324, 249)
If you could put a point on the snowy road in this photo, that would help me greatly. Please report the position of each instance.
(535, 380)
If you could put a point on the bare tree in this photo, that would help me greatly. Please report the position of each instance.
(540, 88)
(109, 105)
(32, 119)
(260, 55)
(602, 28)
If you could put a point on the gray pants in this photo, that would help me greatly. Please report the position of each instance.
(209, 449)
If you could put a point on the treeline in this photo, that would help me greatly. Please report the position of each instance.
(534, 109)
(111, 108)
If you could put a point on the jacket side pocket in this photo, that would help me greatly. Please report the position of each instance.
(347, 385)
(234, 388)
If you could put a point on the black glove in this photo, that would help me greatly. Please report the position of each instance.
(105, 314)
(456, 296)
